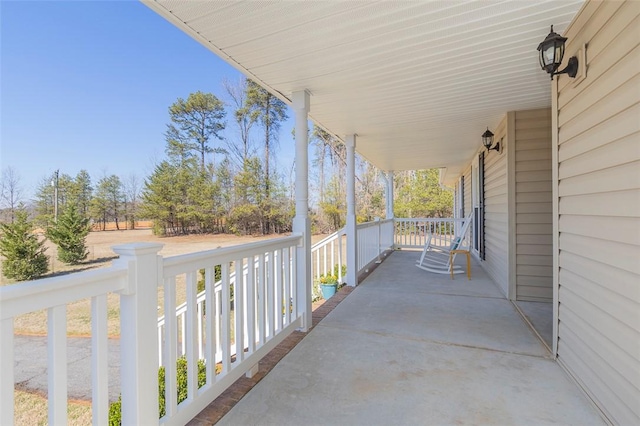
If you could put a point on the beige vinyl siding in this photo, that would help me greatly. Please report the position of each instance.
(599, 209)
(533, 205)
(495, 212)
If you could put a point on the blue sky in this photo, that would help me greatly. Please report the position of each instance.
(87, 85)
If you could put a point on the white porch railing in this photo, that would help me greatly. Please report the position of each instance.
(54, 294)
(413, 233)
(181, 314)
(262, 312)
(325, 255)
(328, 253)
(373, 239)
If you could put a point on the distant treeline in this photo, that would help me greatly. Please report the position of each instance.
(210, 184)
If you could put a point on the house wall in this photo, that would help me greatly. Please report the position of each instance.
(496, 239)
(532, 203)
(518, 213)
(597, 214)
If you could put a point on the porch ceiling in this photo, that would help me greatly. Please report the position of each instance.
(418, 81)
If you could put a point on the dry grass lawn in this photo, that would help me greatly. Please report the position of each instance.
(31, 409)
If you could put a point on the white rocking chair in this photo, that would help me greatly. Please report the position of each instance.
(438, 259)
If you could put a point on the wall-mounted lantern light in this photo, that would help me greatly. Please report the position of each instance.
(551, 54)
(487, 141)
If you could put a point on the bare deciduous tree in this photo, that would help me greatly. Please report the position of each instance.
(244, 120)
(10, 191)
(132, 191)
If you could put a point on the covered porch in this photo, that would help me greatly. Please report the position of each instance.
(406, 346)
(413, 347)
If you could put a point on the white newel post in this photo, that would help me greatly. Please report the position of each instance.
(301, 222)
(352, 243)
(389, 195)
(138, 334)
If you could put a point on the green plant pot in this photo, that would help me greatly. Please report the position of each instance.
(328, 290)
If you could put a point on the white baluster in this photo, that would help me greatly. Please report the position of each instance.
(170, 346)
(99, 361)
(211, 330)
(57, 364)
(191, 329)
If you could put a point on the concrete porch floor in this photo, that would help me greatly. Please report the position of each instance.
(412, 347)
(540, 315)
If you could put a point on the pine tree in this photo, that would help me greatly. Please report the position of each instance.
(69, 234)
(80, 191)
(161, 198)
(194, 123)
(23, 252)
(108, 201)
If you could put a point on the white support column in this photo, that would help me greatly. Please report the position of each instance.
(301, 221)
(389, 194)
(138, 333)
(352, 241)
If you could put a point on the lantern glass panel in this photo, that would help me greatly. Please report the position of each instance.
(540, 58)
(548, 55)
(559, 53)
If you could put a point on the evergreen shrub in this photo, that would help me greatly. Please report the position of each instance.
(22, 250)
(69, 233)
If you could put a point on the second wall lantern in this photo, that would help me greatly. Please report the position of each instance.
(487, 141)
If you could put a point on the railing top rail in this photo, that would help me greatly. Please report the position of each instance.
(429, 219)
(372, 223)
(328, 239)
(29, 296)
(175, 265)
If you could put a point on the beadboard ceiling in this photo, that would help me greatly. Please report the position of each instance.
(417, 81)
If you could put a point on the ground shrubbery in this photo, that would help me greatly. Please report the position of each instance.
(115, 409)
(217, 270)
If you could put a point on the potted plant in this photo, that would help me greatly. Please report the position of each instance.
(328, 285)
